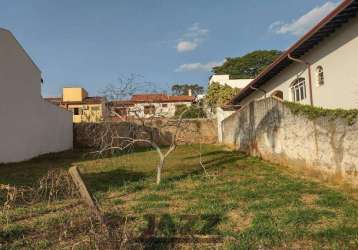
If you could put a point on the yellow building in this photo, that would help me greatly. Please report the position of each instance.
(84, 108)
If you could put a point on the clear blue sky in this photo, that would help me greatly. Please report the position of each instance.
(91, 43)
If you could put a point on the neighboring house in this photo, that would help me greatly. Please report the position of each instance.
(225, 80)
(151, 105)
(30, 126)
(320, 69)
(83, 107)
(120, 109)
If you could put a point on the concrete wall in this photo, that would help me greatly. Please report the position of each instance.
(221, 115)
(337, 54)
(267, 128)
(29, 125)
(193, 131)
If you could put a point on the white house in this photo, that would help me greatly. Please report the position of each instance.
(30, 126)
(225, 80)
(151, 105)
(320, 69)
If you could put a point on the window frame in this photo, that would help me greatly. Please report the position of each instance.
(76, 111)
(320, 76)
(149, 110)
(298, 89)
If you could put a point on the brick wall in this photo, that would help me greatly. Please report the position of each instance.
(192, 131)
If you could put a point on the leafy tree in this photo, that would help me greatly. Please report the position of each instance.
(192, 112)
(183, 89)
(218, 95)
(247, 66)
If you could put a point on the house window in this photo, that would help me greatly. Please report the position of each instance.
(298, 89)
(149, 110)
(164, 105)
(278, 94)
(320, 75)
(76, 111)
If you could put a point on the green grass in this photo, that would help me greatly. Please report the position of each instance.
(257, 203)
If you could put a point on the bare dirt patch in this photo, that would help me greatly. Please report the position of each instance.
(240, 220)
(309, 199)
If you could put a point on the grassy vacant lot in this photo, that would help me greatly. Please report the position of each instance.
(250, 203)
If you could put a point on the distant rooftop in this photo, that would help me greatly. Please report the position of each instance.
(161, 97)
(87, 100)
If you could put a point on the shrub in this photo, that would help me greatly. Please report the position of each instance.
(192, 112)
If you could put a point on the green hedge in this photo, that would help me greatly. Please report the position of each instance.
(315, 112)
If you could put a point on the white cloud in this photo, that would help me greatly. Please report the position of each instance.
(301, 25)
(205, 67)
(185, 46)
(192, 38)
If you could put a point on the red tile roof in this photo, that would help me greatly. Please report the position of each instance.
(121, 103)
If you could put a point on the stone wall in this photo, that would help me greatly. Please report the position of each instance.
(192, 131)
(267, 128)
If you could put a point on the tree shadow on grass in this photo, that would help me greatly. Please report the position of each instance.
(112, 179)
(217, 163)
(28, 172)
(218, 153)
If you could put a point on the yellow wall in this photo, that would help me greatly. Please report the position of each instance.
(87, 113)
(74, 94)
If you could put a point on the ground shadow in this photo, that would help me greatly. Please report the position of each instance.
(117, 178)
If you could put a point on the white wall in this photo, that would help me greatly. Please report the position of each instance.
(338, 55)
(168, 111)
(221, 115)
(29, 125)
(225, 80)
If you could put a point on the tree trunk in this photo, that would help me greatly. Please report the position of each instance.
(159, 170)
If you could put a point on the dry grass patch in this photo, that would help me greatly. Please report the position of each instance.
(240, 220)
(310, 199)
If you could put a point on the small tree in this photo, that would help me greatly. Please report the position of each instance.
(142, 130)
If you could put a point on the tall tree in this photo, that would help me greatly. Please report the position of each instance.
(247, 66)
(183, 89)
